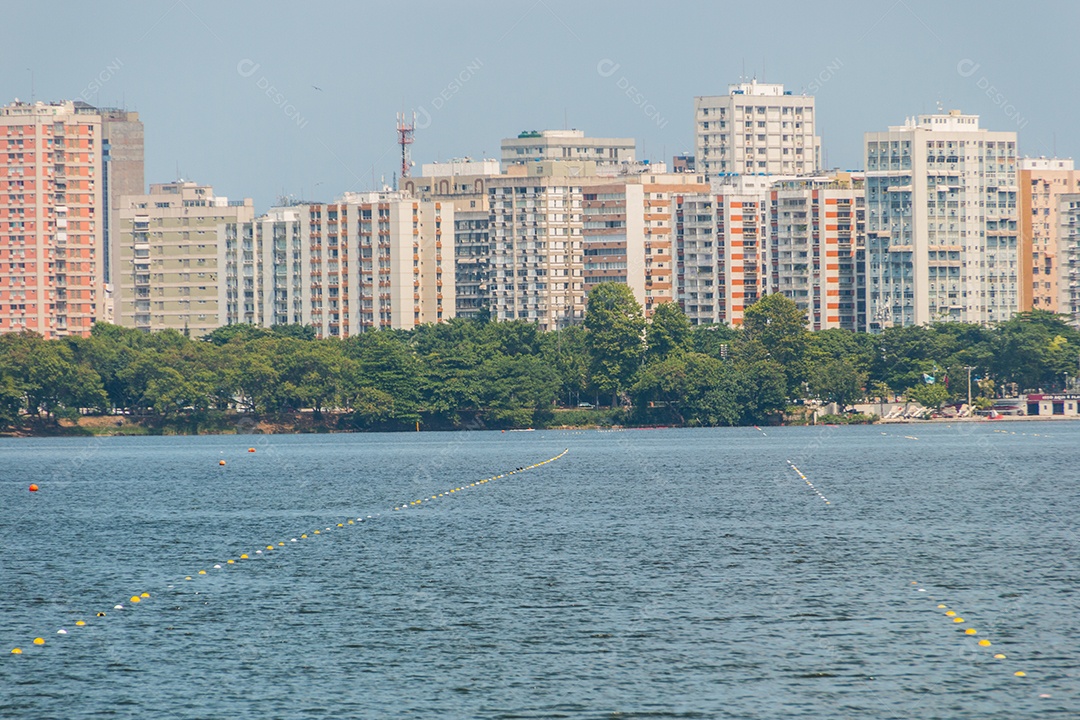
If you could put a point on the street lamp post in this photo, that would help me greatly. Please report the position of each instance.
(969, 369)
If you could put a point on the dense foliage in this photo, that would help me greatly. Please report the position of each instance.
(479, 374)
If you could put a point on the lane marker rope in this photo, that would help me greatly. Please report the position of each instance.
(807, 481)
(140, 598)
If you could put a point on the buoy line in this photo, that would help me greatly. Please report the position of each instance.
(961, 623)
(807, 481)
(138, 598)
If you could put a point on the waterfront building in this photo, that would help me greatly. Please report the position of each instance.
(941, 222)
(817, 250)
(629, 232)
(58, 189)
(184, 259)
(721, 249)
(463, 183)
(756, 128)
(1042, 182)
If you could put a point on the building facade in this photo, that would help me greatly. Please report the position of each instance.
(722, 264)
(565, 145)
(941, 222)
(817, 248)
(463, 183)
(184, 259)
(537, 243)
(1068, 257)
(53, 213)
(1042, 182)
(757, 128)
(629, 233)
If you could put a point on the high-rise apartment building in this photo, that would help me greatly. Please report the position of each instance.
(184, 259)
(722, 249)
(373, 260)
(463, 183)
(536, 236)
(51, 219)
(941, 222)
(817, 248)
(1068, 257)
(1042, 183)
(123, 159)
(566, 145)
(757, 128)
(629, 233)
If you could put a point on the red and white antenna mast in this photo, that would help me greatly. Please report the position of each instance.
(405, 133)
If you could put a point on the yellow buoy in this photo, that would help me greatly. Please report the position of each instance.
(202, 572)
(971, 631)
(136, 598)
(350, 522)
(39, 641)
(304, 536)
(244, 556)
(80, 623)
(188, 577)
(101, 614)
(316, 532)
(230, 562)
(145, 595)
(16, 651)
(1018, 673)
(999, 656)
(942, 607)
(984, 643)
(950, 614)
(281, 544)
(341, 524)
(958, 619)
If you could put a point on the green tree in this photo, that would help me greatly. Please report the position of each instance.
(778, 324)
(929, 395)
(615, 337)
(838, 381)
(667, 333)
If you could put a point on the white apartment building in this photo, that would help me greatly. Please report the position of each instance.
(941, 223)
(567, 145)
(536, 236)
(757, 128)
(1068, 257)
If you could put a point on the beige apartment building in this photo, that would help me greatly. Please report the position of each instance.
(463, 183)
(757, 128)
(1042, 182)
(565, 145)
(184, 259)
(629, 233)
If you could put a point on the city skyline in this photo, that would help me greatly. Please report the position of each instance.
(231, 99)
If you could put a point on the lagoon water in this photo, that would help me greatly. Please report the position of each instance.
(648, 573)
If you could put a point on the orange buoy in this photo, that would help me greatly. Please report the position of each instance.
(251, 449)
(33, 487)
(221, 462)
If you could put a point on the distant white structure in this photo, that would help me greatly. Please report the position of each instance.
(566, 145)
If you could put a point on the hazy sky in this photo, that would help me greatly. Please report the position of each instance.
(264, 98)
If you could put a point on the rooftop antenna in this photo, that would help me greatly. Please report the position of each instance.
(405, 131)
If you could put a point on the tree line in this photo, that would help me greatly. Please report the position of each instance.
(473, 373)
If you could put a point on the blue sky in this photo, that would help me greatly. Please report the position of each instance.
(261, 99)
